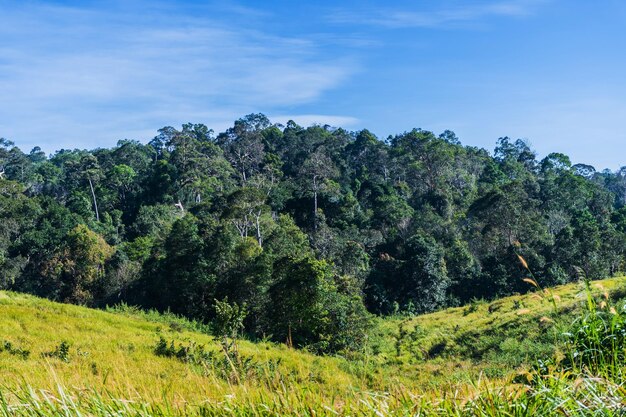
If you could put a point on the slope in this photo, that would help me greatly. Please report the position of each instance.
(113, 353)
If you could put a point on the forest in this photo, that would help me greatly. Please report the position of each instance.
(305, 233)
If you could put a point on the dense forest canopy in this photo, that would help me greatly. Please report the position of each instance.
(311, 229)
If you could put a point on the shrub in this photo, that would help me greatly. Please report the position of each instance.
(61, 352)
(8, 347)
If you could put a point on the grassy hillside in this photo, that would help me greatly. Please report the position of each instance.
(409, 360)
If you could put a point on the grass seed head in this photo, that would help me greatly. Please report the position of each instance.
(523, 261)
(531, 282)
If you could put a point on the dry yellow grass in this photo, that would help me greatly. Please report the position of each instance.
(116, 353)
(408, 357)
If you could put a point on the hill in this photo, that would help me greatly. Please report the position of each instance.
(173, 364)
(315, 229)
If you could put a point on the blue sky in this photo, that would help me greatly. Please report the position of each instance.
(86, 74)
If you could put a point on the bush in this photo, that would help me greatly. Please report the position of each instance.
(61, 352)
(8, 347)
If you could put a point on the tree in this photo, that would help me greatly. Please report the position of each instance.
(587, 243)
(516, 158)
(307, 310)
(200, 168)
(121, 178)
(79, 265)
(243, 144)
(418, 282)
(248, 212)
(5, 146)
(227, 325)
(17, 213)
(180, 280)
(368, 157)
(317, 169)
(82, 169)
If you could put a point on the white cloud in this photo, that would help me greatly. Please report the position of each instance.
(85, 77)
(464, 12)
(320, 119)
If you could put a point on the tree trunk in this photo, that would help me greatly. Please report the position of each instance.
(95, 202)
(259, 236)
(315, 202)
(289, 339)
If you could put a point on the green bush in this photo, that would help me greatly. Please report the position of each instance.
(61, 352)
(8, 347)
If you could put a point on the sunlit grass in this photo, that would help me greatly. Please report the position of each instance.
(459, 361)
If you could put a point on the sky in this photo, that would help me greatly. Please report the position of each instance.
(85, 74)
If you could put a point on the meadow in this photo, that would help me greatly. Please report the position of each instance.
(503, 357)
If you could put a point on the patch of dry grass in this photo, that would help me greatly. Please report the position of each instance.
(410, 361)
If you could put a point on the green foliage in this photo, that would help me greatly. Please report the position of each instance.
(11, 349)
(61, 352)
(228, 321)
(304, 226)
(308, 309)
(78, 266)
(595, 342)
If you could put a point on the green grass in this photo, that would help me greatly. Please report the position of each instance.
(69, 360)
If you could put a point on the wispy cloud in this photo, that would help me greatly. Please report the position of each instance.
(82, 77)
(319, 119)
(444, 15)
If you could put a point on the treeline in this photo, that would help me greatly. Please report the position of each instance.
(312, 229)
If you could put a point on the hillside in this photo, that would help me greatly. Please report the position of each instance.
(314, 229)
(316, 208)
(112, 353)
